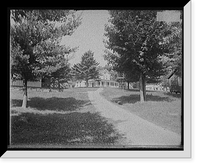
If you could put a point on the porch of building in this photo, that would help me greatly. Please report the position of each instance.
(98, 83)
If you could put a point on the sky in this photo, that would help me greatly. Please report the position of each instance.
(89, 36)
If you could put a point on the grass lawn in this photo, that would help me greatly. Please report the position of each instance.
(162, 109)
(66, 119)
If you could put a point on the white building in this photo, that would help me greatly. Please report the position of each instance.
(155, 87)
(103, 81)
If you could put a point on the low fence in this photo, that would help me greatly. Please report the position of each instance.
(34, 84)
(157, 88)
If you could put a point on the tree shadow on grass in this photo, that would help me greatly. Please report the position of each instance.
(173, 95)
(62, 129)
(53, 103)
(16, 103)
(136, 98)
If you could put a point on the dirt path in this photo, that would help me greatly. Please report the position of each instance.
(136, 130)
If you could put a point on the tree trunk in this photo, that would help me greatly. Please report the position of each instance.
(50, 84)
(25, 97)
(58, 85)
(86, 83)
(142, 88)
(128, 85)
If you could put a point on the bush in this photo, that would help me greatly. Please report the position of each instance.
(175, 89)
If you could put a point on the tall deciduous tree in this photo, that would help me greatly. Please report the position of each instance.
(87, 68)
(30, 31)
(138, 40)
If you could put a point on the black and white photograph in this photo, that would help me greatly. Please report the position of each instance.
(96, 79)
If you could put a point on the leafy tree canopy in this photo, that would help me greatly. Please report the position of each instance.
(137, 42)
(35, 37)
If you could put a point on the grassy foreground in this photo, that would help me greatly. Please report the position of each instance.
(56, 119)
(162, 109)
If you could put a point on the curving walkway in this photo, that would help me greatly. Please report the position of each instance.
(136, 130)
